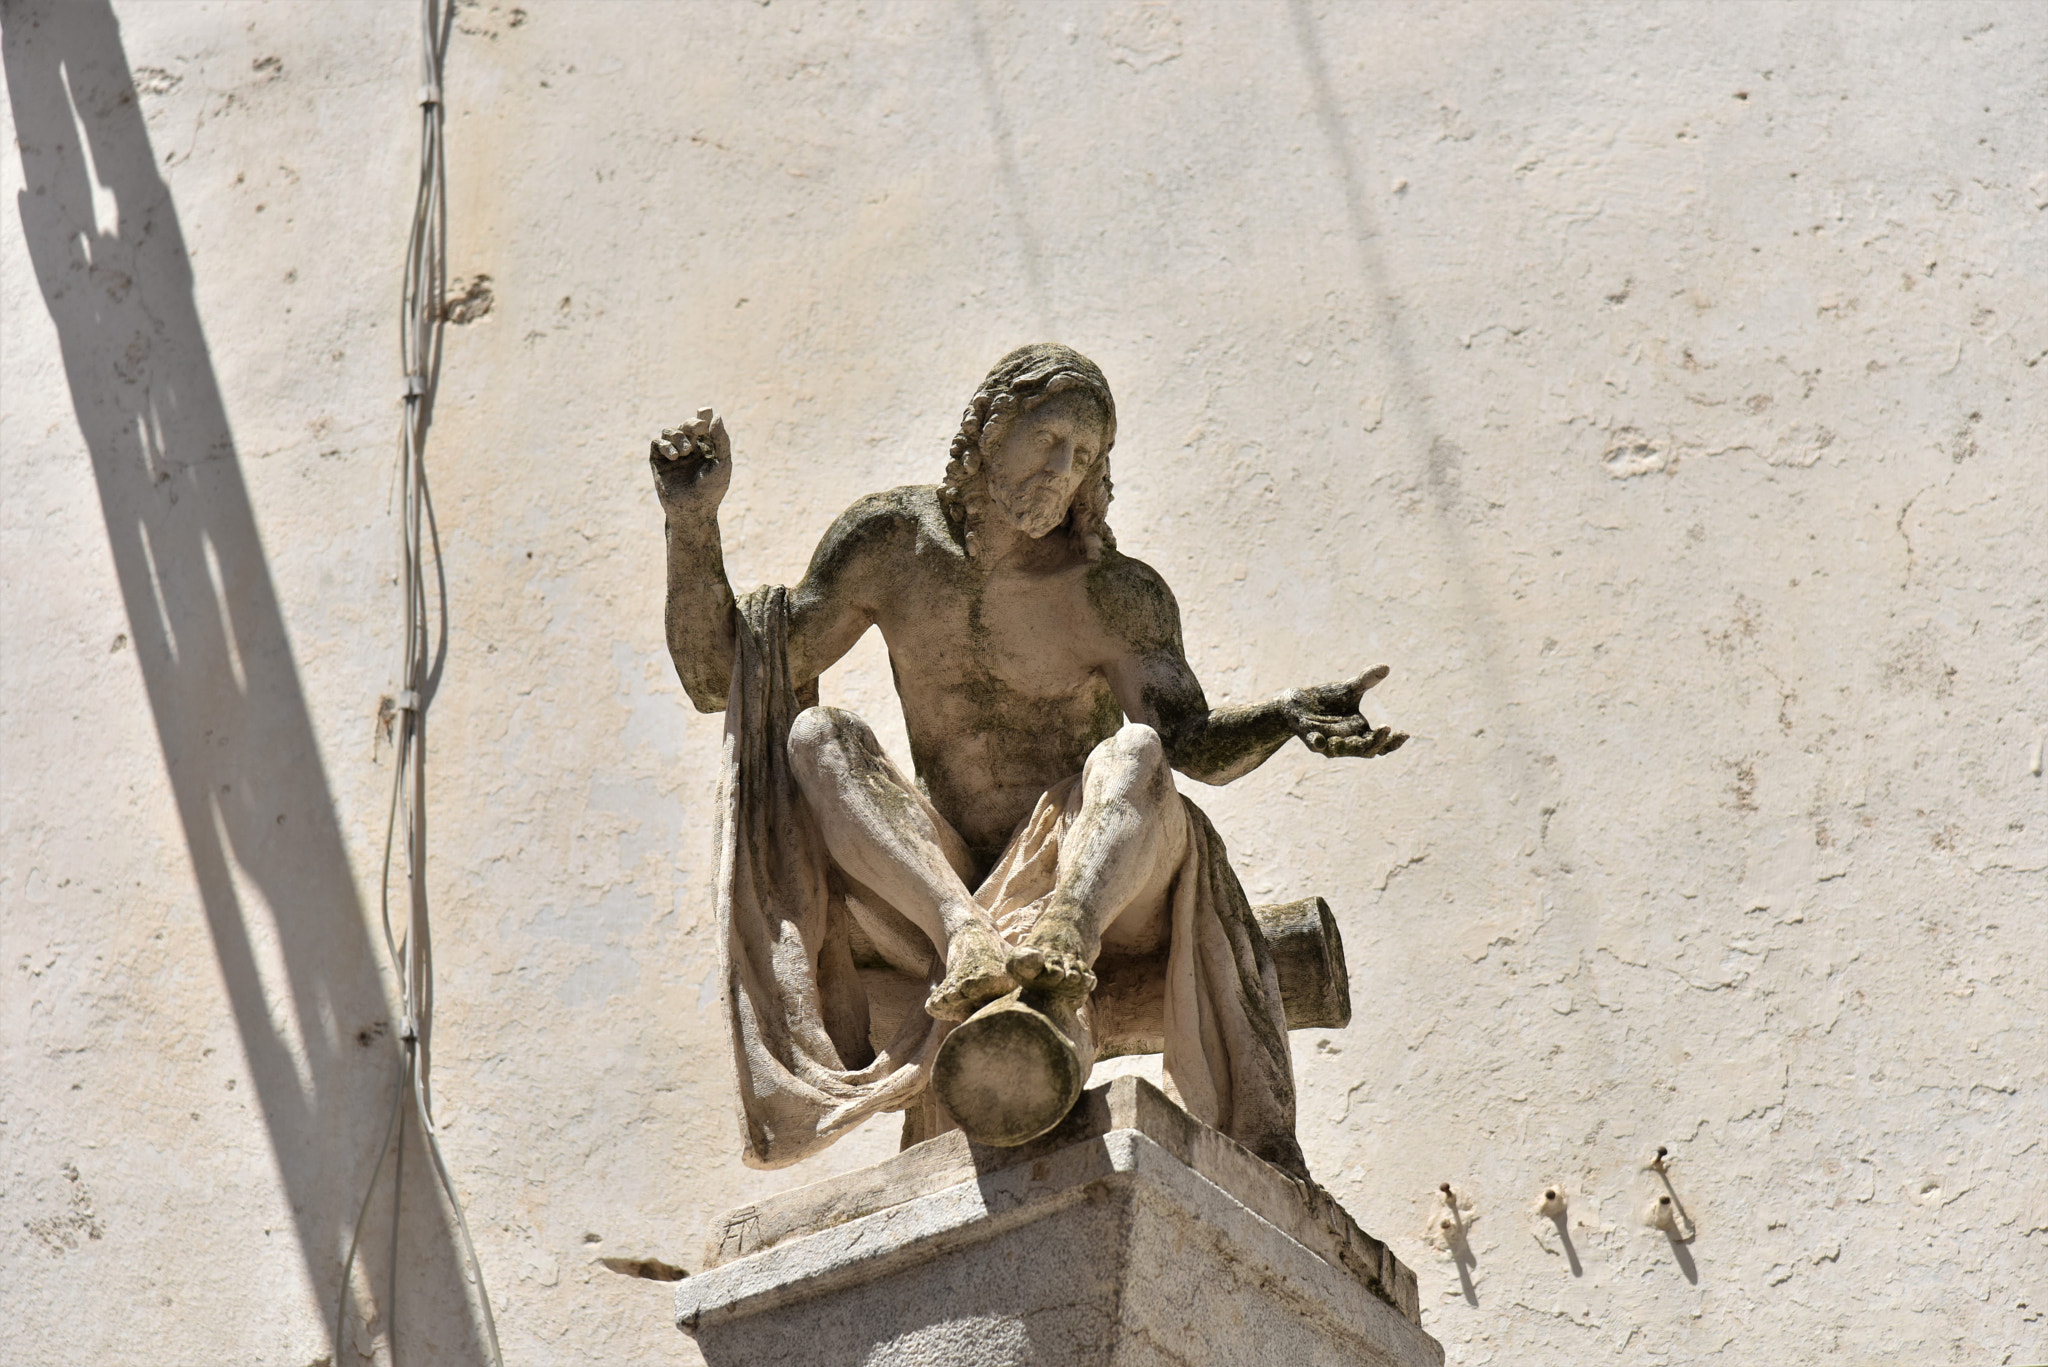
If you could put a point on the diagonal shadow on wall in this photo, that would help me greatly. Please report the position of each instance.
(210, 639)
(1030, 252)
(1439, 464)
(1440, 460)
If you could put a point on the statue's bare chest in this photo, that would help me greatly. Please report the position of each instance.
(1011, 638)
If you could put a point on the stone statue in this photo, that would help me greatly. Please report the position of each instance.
(1047, 701)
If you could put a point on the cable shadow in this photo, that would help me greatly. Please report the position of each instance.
(1439, 459)
(1005, 142)
(1439, 471)
(267, 852)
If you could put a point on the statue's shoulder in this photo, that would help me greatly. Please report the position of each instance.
(878, 534)
(1129, 575)
(908, 508)
(1132, 598)
(910, 518)
(883, 520)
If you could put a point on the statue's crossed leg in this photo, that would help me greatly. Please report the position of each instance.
(1116, 860)
(1019, 1060)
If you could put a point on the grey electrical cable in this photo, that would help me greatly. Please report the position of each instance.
(426, 274)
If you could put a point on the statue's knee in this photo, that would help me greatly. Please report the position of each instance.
(1135, 752)
(820, 733)
(1139, 743)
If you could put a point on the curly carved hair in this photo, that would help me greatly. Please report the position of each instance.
(1020, 382)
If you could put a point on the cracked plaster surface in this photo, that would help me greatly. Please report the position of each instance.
(1661, 399)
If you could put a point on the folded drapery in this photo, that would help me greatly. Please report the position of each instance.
(808, 1072)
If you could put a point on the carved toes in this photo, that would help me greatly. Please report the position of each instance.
(1050, 971)
(957, 998)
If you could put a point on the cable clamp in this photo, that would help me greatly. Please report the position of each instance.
(408, 701)
(409, 1030)
(415, 385)
(430, 94)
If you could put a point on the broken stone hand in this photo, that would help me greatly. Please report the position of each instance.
(692, 462)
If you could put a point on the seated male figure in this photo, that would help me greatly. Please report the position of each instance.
(1042, 679)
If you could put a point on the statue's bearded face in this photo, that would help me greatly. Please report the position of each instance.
(1043, 458)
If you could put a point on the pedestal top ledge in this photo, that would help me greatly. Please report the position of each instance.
(1129, 1225)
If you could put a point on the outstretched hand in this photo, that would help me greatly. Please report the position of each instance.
(692, 464)
(1328, 720)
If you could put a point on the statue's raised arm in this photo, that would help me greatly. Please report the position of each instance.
(692, 469)
(828, 609)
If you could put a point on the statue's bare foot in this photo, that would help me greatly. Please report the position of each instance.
(1054, 957)
(977, 972)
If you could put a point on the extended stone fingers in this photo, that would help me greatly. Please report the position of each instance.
(1366, 746)
(1339, 726)
(690, 438)
(1321, 734)
(1383, 741)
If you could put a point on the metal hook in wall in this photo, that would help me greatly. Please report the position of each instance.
(1665, 1211)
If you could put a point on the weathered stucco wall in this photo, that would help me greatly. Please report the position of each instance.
(1657, 388)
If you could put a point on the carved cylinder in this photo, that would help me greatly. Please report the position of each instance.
(1308, 956)
(1011, 1071)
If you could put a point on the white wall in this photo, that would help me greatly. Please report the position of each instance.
(1658, 389)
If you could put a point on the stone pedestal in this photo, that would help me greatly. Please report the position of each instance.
(1131, 1234)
